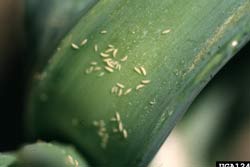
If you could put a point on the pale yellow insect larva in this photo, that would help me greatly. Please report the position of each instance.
(152, 102)
(166, 31)
(137, 70)
(104, 32)
(89, 70)
(107, 59)
(108, 69)
(114, 89)
(115, 52)
(143, 70)
(118, 117)
(71, 160)
(110, 64)
(120, 92)
(95, 123)
(97, 68)
(74, 46)
(104, 55)
(84, 42)
(145, 81)
(109, 50)
(125, 58)
(111, 46)
(139, 86)
(125, 133)
(128, 91)
(114, 62)
(76, 163)
(120, 126)
(118, 66)
(94, 63)
(101, 74)
(96, 48)
(120, 85)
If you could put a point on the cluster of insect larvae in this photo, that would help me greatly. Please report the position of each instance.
(142, 84)
(120, 128)
(141, 71)
(76, 47)
(110, 60)
(93, 68)
(119, 90)
(102, 132)
(111, 63)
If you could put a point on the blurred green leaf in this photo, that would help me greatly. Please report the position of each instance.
(6, 160)
(48, 155)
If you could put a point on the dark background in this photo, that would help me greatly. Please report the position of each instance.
(12, 89)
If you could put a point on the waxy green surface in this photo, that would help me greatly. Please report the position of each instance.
(65, 101)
